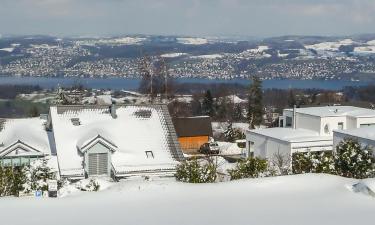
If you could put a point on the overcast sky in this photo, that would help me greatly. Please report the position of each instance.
(257, 18)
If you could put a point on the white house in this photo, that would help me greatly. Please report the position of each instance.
(117, 141)
(307, 129)
(97, 140)
(364, 135)
(23, 140)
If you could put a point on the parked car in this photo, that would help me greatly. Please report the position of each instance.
(209, 148)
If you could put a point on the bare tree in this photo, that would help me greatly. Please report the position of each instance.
(282, 163)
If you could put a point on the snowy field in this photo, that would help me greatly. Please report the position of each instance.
(302, 199)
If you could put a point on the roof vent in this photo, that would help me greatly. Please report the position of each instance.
(143, 113)
(75, 121)
(336, 111)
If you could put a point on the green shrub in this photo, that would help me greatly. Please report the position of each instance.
(249, 168)
(12, 181)
(194, 171)
(351, 160)
(313, 162)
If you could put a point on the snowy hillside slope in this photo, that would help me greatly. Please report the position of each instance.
(293, 200)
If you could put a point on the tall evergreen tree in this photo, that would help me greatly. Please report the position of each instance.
(208, 104)
(292, 101)
(255, 103)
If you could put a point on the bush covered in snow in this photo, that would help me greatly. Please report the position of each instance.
(12, 181)
(88, 185)
(351, 160)
(195, 171)
(313, 162)
(38, 175)
(249, 168)
(24, 180)
(232, 134)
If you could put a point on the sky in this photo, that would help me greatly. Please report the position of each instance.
(255, 18)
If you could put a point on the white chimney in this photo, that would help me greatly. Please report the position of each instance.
(294, 117)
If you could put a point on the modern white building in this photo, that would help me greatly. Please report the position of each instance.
(307, 129)
(364, 135)
(326, 119)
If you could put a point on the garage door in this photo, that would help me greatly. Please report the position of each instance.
(98, 164)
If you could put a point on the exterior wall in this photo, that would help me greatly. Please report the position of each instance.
(332, 123)
(312, 146)
(308, 122)
(265, 147)
(192, 144)
(351, 123)
(364, 121)
(97, 148)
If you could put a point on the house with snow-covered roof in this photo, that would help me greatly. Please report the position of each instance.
(23, 141)
(307, 129)
(117, 140)
(365, 135)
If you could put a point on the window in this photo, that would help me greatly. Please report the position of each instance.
(149, 154)
(288, 121)
(75, 121)
(340, 126)
(326, 129)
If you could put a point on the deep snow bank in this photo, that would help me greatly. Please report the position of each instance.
(302, 199)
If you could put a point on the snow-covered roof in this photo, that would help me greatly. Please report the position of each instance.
(28, 134)
(290, 134)
(131, 133)
(363, 132)
(329, 111)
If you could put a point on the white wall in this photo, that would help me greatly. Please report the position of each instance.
(332, 123)
(308, 122)
(265, 147)
(312, 146)
(364, 121)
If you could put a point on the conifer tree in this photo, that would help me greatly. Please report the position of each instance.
(208, 104)
(255, 103)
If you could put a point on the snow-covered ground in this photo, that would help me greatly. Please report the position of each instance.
(192, 41)
(329, 46)
(293, 200)
(173, 55)
(212, 56)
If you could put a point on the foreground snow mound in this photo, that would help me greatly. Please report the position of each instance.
(308, 199)
(366, 186)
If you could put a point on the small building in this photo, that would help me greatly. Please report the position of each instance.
(23, 141)
(193, 132)
(364, 135)
(265, 143)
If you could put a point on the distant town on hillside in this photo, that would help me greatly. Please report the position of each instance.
(287, 57)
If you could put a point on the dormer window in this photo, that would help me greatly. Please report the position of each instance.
(149, 154)
(143, 114)
(326, 129)
(75, 121)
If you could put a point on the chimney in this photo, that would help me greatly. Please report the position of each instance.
(294, 117)
(112, 110)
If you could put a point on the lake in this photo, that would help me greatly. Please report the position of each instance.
(132, 84)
